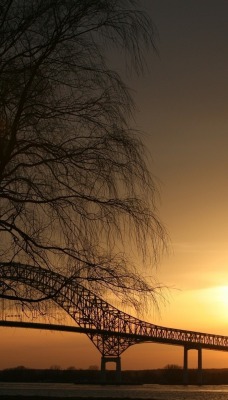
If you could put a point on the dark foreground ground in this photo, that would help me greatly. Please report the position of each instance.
(21, 397)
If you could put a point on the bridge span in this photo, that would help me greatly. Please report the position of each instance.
(112, 331)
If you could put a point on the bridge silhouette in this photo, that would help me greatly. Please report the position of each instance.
(112, 331)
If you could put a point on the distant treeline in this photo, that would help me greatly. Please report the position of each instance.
(159, 376)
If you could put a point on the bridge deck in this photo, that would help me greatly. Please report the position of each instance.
(190, 339)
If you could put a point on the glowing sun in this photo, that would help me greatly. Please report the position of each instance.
(222, 295)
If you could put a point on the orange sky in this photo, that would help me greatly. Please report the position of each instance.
(182, 108)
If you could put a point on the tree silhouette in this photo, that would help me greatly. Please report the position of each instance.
(75, 192)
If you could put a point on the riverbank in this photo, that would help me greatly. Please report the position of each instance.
(172, 374)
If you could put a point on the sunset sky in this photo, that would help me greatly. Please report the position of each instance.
(182, 103)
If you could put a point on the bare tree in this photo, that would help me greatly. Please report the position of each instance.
(74, 184)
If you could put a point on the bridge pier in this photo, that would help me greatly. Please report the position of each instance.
(199, 370)
(185, 370)
(117, 361)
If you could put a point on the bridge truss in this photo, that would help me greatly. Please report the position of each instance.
(112, 331)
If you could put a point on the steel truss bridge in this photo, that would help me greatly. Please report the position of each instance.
(112, 331)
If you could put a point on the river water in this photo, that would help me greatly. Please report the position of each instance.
(152, 392)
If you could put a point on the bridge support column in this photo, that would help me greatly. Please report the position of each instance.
(117, 361)
(200, 372)
(185, 369)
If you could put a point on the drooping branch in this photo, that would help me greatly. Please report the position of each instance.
(76, 194)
